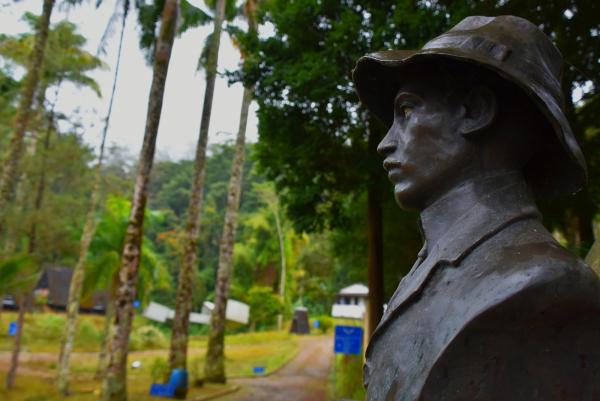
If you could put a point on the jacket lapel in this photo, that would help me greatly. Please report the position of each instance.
(482, 222)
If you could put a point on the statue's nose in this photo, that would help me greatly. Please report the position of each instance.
(387, 144)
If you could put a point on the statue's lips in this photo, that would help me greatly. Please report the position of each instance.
(393, 169)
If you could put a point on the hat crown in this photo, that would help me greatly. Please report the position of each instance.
(511, 40)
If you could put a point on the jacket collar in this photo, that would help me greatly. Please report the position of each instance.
(509, 201)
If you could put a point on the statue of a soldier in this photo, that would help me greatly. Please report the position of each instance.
(494, 308)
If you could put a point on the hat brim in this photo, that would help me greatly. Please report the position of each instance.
(559, 169)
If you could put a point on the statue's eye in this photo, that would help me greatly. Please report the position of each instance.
(406, 111)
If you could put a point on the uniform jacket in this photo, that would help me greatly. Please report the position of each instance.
(497, 310)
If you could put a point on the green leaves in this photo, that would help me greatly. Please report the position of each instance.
(18, 274)
(64, 59)
(192, 17)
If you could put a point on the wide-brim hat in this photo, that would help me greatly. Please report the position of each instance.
(517, 51)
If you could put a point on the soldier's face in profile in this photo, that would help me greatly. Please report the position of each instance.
(425, 153)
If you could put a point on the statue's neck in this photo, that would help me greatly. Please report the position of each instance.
(451, 207)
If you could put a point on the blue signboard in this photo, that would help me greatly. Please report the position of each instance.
(12, 328)
(348, 340)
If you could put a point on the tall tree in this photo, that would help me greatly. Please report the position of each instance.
(65, 60)
(102, 264)
(114, 387)
(316, 142)
(183, 306)
(10, 170)
(214, 367)
(75, 288)
(19, 274)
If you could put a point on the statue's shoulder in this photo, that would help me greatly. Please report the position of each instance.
(534, 333)
(526, 257)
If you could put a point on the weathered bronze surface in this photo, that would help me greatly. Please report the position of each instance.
(494, 308)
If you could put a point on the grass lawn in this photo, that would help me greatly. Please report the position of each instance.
(36, 379)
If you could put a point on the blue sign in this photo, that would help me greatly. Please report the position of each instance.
(258, 370)
(12, 328)
(348, 340)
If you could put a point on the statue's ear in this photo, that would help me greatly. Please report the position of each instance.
(480, 111)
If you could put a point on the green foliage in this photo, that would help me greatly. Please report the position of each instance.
(325, 323)
(104, 257)
(51, 325)
(18, 274)
(265, 305)
(192, 17)
(348, 377)
(87, 333)
(65, 59)
(147, 337)
(159, 370)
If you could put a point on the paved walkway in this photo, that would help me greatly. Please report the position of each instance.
(305, 378)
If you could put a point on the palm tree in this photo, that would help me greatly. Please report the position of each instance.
(114, 387)
(214, 368)
(18, 275)
(102, 264)
(183, 301)
(75, 287)
(65, 60)
(15, 149)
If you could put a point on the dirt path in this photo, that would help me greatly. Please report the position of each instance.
(303, 379)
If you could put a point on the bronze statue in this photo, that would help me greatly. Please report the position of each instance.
(494, 308)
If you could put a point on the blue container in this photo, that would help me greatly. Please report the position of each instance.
(176, 387)
(179, 378)
(12, 328)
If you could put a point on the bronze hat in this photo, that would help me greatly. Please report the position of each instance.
(517, 51)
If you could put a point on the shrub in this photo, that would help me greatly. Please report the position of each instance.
(159, 371)
(265, 305)
(49, 326)
(87, 334)
(325, 323)
(147, 337)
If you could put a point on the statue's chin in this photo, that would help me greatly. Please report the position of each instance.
(407, 199)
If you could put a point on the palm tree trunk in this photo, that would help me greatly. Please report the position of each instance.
(214, 368)
(14, 360)
(15, 149)
(115, 385)
(86, 238)
(109, 314)
(282, 278)
(41, 187)
(183, 302)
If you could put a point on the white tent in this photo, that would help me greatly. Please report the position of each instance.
(158, 313)
(236, 311)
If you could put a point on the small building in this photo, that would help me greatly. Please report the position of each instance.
(351, 302)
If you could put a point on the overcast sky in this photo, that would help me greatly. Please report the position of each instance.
(184, 94)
